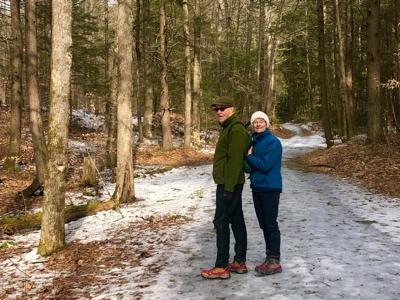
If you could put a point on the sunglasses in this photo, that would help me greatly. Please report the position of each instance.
(216, 109)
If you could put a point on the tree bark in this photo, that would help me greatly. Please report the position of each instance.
(124, 190)
(244, 105)
(138, 70)
(321, 59)
(165, 108)
(36, 123)
(349, 68)
(52, 235)
(149, 93)
(13, 152)
(196, 76)
(188, 78)
(343, 94)
(112, 128)
(261, 59)
(89, 171)
(374, 101)
(71, 213)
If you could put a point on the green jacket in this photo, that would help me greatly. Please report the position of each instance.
(229, 153)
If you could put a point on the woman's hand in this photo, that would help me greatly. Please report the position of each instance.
(250, 151)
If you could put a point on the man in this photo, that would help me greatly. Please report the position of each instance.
(229, 177)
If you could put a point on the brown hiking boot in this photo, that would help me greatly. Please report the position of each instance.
(216, 273)
(269, 267)
(236, 267)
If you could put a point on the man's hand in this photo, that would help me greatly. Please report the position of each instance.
(227, 197)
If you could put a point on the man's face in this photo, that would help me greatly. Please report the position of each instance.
(223, 112)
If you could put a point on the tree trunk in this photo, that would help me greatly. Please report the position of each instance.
(270, 77)
(321, 59)
(71, 213)
(52, 235)
(36, 124)
(244, 108)
(13, 152)
(351, 119)
(188, 78)
(138, 71)
(107, 63)
(196, 76)
(261, 60)
(397, 28)
(124, 190)
(165, 108)
(89, 171)
(149, 93)
(374, 101)
(218, 63)
(111, 152)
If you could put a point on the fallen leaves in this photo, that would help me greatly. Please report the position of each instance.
(375, 167)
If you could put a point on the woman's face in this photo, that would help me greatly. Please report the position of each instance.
(259, 125)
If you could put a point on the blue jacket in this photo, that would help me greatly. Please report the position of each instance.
(267, 159)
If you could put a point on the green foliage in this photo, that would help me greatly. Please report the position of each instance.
(88, 52)
(7, 244)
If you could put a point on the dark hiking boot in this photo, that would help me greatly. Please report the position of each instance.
(269, 267)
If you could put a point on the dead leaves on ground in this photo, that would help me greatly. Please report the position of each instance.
(375, 167)
(82, 268)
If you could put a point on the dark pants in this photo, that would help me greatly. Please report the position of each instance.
(266, 205)
(225, 215)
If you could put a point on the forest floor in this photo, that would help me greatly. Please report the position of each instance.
(375, 167)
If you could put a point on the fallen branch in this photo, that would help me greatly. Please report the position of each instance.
(323, 166)
(33, 222)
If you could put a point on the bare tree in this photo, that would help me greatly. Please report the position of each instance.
(111, 152)
(52, 235)
(374, 101)
(36, 124)
(261, 58)
(273, 44)
(13, 152)
(149, 94)
(349, 68)
(138, 70)
(322, 71)
(396, 114)
(165, 108)
(348, 106)
(245, 100)
(188, 77)
(124, 190)
(196, 75)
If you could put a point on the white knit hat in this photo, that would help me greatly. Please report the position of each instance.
(260, 115)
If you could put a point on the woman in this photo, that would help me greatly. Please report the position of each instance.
(266, 184)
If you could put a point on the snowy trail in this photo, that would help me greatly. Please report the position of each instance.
(338, 242)
(327, 251)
